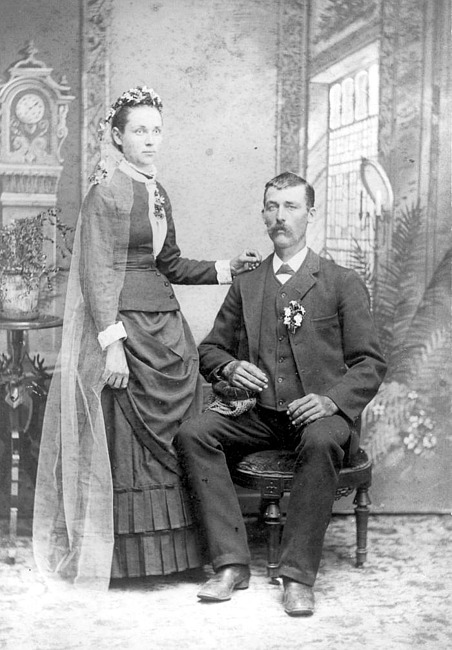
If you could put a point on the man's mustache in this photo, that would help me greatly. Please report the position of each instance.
(278, 227)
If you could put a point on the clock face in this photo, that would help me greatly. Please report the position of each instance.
(30, 108)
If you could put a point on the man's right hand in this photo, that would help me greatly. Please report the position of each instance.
(243, 374)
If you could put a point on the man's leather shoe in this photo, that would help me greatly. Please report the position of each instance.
(223, 583)
(298, 599)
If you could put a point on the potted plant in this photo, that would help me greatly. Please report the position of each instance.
(24, 262)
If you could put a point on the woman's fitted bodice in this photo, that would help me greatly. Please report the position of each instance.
(117, 236)
(145, 287)
(140, 250)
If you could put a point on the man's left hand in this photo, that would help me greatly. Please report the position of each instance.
(310, 408)
(246, 261)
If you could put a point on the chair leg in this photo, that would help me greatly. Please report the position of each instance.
(272, 518)
(361, 502)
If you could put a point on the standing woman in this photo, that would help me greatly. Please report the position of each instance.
(109, 500)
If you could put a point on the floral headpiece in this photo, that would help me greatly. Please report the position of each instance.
(131, 97)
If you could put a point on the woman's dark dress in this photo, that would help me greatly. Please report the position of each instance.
(155, 531)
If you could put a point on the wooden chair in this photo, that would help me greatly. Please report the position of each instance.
(271, 472)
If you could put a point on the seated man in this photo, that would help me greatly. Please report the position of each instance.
(296, 335)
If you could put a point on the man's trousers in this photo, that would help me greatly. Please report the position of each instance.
(209, 443)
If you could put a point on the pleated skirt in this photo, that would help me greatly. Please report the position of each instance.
(156, 532)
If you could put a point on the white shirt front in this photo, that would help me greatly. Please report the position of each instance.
(295, 262)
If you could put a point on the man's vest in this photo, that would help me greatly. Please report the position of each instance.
(276, 359)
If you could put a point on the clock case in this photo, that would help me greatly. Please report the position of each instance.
(33, 111)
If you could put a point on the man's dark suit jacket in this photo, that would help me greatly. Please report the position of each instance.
(336, 348)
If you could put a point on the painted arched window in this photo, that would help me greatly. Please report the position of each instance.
(335, 106)
(361, 95)
(352, 135)
(347, 112)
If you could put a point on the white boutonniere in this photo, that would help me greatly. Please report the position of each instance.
(159, 206)
(293, 315)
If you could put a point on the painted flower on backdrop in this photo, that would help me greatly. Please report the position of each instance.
(403, 416)
(418, 435)
(293, 316)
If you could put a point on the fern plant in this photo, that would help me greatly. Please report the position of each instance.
(413, 326)
(21, 246)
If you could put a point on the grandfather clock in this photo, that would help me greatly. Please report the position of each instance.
(33, 110)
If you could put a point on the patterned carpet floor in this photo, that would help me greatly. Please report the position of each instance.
(400, 600)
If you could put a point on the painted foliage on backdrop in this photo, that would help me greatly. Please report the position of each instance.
(407, 262)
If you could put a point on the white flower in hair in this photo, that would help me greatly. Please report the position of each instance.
(110, 156)
(141, 95)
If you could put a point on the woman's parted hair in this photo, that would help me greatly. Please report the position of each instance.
(118, 112)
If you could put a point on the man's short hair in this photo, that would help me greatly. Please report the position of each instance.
(289, 179)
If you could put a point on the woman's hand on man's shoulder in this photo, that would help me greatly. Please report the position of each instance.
(248, 260)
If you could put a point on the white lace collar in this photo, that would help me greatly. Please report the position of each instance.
(137, 175)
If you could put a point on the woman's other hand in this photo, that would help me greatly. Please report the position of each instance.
(116, 372)
(246, 261)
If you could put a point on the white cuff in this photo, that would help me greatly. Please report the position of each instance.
(111, 334)
(223, 269)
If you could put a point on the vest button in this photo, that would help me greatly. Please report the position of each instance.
(172, 295)
(280, 380)
(281, 402)
(280, 338)
(158, 274)
(284, 294)
(166, 284)
(281, 359)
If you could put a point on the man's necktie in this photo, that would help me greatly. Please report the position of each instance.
(285, 268)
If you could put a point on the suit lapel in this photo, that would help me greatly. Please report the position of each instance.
(253, 295)
(305, 278)
(253, 299)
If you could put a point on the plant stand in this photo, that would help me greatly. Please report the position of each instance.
(18, 374)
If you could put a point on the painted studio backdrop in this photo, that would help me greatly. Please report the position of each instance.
(353, 94)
